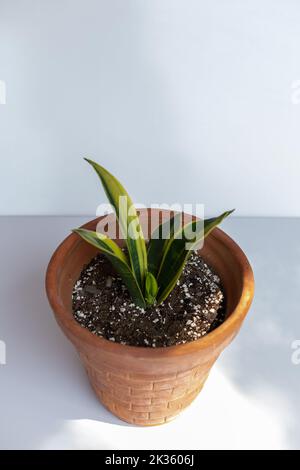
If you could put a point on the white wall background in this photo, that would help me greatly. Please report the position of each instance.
(184, 100)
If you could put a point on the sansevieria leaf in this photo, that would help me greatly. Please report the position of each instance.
(118, 259)
(128, 221)
(176, 253)
(160, 238)
(151, 289)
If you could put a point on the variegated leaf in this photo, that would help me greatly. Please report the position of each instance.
(128, 221)
(176, 254)
(160, 238)
(118, 259)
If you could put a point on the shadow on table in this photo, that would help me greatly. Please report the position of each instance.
(259, 361)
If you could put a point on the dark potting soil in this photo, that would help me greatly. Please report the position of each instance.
(102, 304)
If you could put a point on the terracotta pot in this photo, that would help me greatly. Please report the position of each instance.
(142, 385)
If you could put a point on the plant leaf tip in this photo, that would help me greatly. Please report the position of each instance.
(88, 160)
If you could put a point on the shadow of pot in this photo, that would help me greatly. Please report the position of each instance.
(142, 385)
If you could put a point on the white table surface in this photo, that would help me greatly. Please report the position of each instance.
(251, 398)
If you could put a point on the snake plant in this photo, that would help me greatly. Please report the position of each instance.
(150, 271)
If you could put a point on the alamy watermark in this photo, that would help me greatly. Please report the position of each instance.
(2, 353)
(128, 225)
(295, 357)
(2, 92)
(295, 92)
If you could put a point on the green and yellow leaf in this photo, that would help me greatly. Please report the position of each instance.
(128, 221)
(117, 258)
(160, 238)
(151, 289)
(176, 253)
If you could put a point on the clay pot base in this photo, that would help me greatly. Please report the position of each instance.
(143, 385)
(102, 304)
(151, 410)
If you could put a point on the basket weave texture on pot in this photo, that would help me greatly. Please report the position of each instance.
(145, 399)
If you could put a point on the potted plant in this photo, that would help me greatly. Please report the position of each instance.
(148, 318)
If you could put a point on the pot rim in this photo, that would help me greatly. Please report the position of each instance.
(226, 330)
